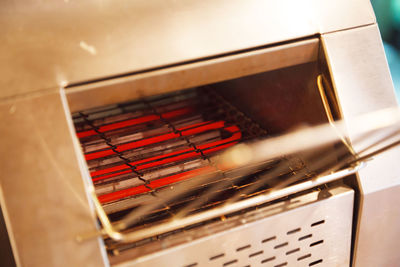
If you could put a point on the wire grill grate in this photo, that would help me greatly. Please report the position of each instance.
(138, 151)
(138, 147)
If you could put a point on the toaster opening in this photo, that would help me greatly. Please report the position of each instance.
(144, 150)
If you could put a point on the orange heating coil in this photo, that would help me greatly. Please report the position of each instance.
(194, 151)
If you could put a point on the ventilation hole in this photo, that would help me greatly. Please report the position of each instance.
(315, 262)
(305, 237)
(318, 223)
(281, 245)
(316, 243)
(304, 257)
(267, 260)
(280, 265)
(217, 256)
(292, 251)
(269, 239)
(230, 262)
(191, 265)
(293, 231)
(243, 248)
(256, 253)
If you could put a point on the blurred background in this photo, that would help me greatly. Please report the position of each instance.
(388, 15)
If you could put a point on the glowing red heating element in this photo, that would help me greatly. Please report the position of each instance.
(184, 131)
(176, 155)
(155, 161)
(154, 184)
(135, 121)
(167, 158)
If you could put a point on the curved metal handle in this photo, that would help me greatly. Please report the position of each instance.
(171, 225)
(329, 115)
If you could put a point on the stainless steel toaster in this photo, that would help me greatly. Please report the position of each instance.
(114, 112)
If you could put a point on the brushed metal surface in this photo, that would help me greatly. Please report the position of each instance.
(362, 82)
(281, 237)
(42, 192)
(47, 45)
(191, 75)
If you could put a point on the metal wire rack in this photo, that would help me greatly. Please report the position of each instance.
(159, 150)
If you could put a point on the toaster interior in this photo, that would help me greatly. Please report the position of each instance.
(145, 149)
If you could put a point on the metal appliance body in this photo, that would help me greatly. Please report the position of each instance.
(67, 56)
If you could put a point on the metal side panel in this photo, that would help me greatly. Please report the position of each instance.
(64, 42)
(309, 230)
(362, 82)
(42, 192)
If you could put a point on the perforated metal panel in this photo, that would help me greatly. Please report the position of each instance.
(310, 230)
